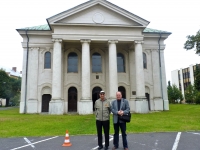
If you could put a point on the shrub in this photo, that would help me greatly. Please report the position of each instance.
(197, 100)
(15, 100)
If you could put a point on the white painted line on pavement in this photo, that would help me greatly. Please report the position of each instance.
(29, 142)
(34, 143)
(104, 142)
(194, 133)
(176, 141)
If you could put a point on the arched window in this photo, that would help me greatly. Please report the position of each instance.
(72, 62)
(120, 63)
(47, 60)
(96, 62)
(144, 61)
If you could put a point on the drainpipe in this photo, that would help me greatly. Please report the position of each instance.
(160, 69)
(26, 71)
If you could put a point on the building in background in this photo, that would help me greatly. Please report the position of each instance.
(12, 72)
(92, 47)
(184, 77)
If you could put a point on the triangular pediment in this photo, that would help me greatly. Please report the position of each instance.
(98, 15)
(99, 12)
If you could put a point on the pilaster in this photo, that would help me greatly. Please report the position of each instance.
(157, 95)
(164, 83)
(23, 84)
(32, 103)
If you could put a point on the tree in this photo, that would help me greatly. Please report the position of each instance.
(15, 90)
(197, 78)
(190, 94)
(197, 98)
(4, 84)
(193, 41)
(174, 94)
(15, 86)
(9, 87)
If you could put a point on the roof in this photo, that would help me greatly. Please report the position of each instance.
(47, 28)
(37, 28)
(149, 30)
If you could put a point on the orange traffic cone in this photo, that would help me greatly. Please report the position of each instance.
(67, 141)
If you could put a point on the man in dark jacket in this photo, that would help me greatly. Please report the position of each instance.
(119, 106)
(102, 111)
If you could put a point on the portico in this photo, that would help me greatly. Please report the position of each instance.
(85, 103)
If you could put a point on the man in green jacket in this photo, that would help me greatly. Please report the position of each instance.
(102, 112)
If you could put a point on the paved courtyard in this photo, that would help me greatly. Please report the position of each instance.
(144, 141)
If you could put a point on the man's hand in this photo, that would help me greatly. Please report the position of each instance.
(121, 112)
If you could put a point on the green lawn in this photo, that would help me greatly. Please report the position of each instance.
(180, 117)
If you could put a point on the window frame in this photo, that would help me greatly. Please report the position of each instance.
(121, 65)
(45, 60)
(95, 68)
(144, 60)
(70, 65)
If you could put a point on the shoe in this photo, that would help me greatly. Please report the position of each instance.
(99, 148)
(126, 149)
(114, 148)
(105, 148)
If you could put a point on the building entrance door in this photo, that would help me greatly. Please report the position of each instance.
(123, 91)
(147, 96)
(95, 94)
(72, 99)
(46, 98)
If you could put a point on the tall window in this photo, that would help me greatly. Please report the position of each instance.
(47, 60)
(120, 63)
(72, 62)
(96, 62)
(144, 61)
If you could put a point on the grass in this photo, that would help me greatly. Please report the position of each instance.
(180, 117)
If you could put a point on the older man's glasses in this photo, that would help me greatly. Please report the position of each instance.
(102, 94)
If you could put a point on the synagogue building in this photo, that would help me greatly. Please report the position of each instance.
(92, 47)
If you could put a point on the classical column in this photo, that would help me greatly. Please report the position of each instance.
(132, 79)
(141, 101)
(56, 103)
(32, 103)
(113, 78)
(85, 104)
(164, 83)
(157, 95)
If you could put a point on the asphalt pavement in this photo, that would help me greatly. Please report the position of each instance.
(143, 141)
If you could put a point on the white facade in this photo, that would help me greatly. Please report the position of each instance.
(96, 26)
(183, 77)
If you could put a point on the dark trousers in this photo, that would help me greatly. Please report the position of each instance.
(106, 128)
(122, 126)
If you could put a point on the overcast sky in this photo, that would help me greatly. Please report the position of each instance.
(181, 17)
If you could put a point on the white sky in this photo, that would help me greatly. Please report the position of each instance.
(181, 17)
